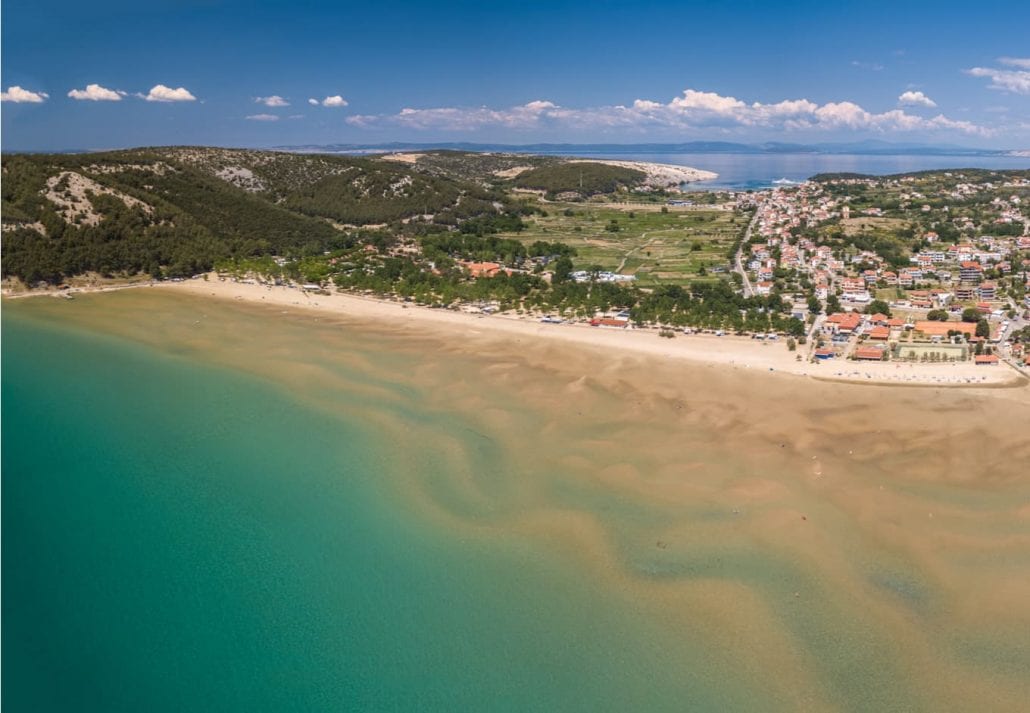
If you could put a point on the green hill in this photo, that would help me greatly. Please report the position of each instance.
(584, 178)
(174, 211)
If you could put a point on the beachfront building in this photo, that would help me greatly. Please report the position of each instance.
(845, 323)
(870, 353)
(610, 322)
(931, 328)
(880, 334)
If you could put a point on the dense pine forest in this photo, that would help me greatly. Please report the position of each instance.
(173, 212)
(588, 178)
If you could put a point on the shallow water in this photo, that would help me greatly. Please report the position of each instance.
(211, 505)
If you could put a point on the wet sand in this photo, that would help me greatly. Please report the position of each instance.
(837, 548)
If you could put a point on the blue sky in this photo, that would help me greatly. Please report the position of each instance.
(192, 72)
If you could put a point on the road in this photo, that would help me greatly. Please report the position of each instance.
(738, 264)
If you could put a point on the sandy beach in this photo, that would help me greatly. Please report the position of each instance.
(734, 353)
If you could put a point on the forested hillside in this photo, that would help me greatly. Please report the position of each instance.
(175, 211)
(582, 177)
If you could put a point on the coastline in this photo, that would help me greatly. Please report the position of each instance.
(734, 353)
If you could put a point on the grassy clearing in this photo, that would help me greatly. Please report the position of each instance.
(659, 248)
(864, 224)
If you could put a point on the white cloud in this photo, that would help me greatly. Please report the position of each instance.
(96, 93)
(23, 96)
(707, 102)
(1021, 62)
(333, 101)
(691, 110)
(872, 66)
(161, 93)
(274, 100)
(1016, 81)
(966, 127)
(263, 117)
(911, 98)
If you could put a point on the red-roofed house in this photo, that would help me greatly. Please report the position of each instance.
(870, 353)
(609, 322)
(481, 269)
(941, 329)
(843, 322)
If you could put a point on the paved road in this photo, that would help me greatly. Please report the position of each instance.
(738, 264)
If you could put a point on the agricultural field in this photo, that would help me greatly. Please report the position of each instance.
(679, 246)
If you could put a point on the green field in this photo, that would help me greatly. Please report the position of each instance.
(659, 248)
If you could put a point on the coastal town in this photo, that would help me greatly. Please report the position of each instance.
(954, 298)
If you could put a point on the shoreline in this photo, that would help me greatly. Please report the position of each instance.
(712, 351)
(728, 351)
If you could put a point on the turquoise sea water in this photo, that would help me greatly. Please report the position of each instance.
(180, 537)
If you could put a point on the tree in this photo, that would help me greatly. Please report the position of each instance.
(795, 327)
(814, 305)
(833, 304)
(983, 329)
(562, 269)
(971, 314)
(937, 315)
(878, 307)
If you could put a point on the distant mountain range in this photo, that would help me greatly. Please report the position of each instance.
(868, 148)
